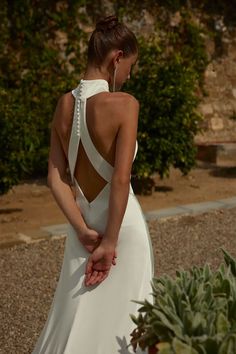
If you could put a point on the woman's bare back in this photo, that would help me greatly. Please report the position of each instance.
(102, 130)
(104, 113)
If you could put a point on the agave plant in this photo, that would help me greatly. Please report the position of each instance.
(195, 313)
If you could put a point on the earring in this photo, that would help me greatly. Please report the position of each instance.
(114, 79)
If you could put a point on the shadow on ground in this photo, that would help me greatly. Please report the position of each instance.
(225, 172)
(163, 189)
(10, 210)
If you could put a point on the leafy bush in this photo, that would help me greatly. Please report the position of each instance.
(33, 77)
(168, 120)
(195, 313)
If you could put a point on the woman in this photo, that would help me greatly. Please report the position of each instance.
(94, 133)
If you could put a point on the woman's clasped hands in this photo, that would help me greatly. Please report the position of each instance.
(103, 256)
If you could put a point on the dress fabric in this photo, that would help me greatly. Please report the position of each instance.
(96, 319)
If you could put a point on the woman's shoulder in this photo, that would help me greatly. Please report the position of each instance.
(119, 108)
(64, 112)
(125, 104)
(123, 97)
(66, 101)
(120, 102)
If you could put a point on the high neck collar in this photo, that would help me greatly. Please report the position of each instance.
(94, 81)
(87, 88)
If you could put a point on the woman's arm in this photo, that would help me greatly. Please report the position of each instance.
(58, 181)
(101, 258)
(120, 184)
(60, 188)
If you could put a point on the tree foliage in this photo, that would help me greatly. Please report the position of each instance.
(33, 77)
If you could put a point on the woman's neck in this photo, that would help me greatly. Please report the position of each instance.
(93, 73)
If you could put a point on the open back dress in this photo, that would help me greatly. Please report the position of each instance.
(96, 319)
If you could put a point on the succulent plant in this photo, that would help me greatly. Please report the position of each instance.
(195, 313)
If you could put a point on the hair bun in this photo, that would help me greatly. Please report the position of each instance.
(107, 23)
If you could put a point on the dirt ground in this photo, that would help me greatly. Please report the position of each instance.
(30, 205)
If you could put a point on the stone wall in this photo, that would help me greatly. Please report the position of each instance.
(220, 83)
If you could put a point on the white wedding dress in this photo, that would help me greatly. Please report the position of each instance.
(96, 319)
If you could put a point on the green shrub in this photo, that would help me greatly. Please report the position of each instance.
(33, 77)
(166, 89)
(195, 313)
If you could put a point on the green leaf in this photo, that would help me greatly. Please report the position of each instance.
(222, 324)
(198, 320)
(230, 261)
(182, 348)
(164, 348)
(134, 319)
(228, 345)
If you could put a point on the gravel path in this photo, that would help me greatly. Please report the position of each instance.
(29, 273)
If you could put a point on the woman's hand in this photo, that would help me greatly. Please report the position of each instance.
(90, 239)
(99, 264)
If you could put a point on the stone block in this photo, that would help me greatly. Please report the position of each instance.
(165, 213)
(207, 153)
(206, 109)
(216, 123)
(203, 207)
(217, 106)
(226, 155)
(220, 154)
(234, 92)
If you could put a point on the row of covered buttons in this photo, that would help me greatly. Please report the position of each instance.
(78, 96)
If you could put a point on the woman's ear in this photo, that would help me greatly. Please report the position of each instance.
(119, 55)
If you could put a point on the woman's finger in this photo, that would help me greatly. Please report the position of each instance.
(99, 277)
(89, 266)
(104, 276)
(86, 279)
(93, 277)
